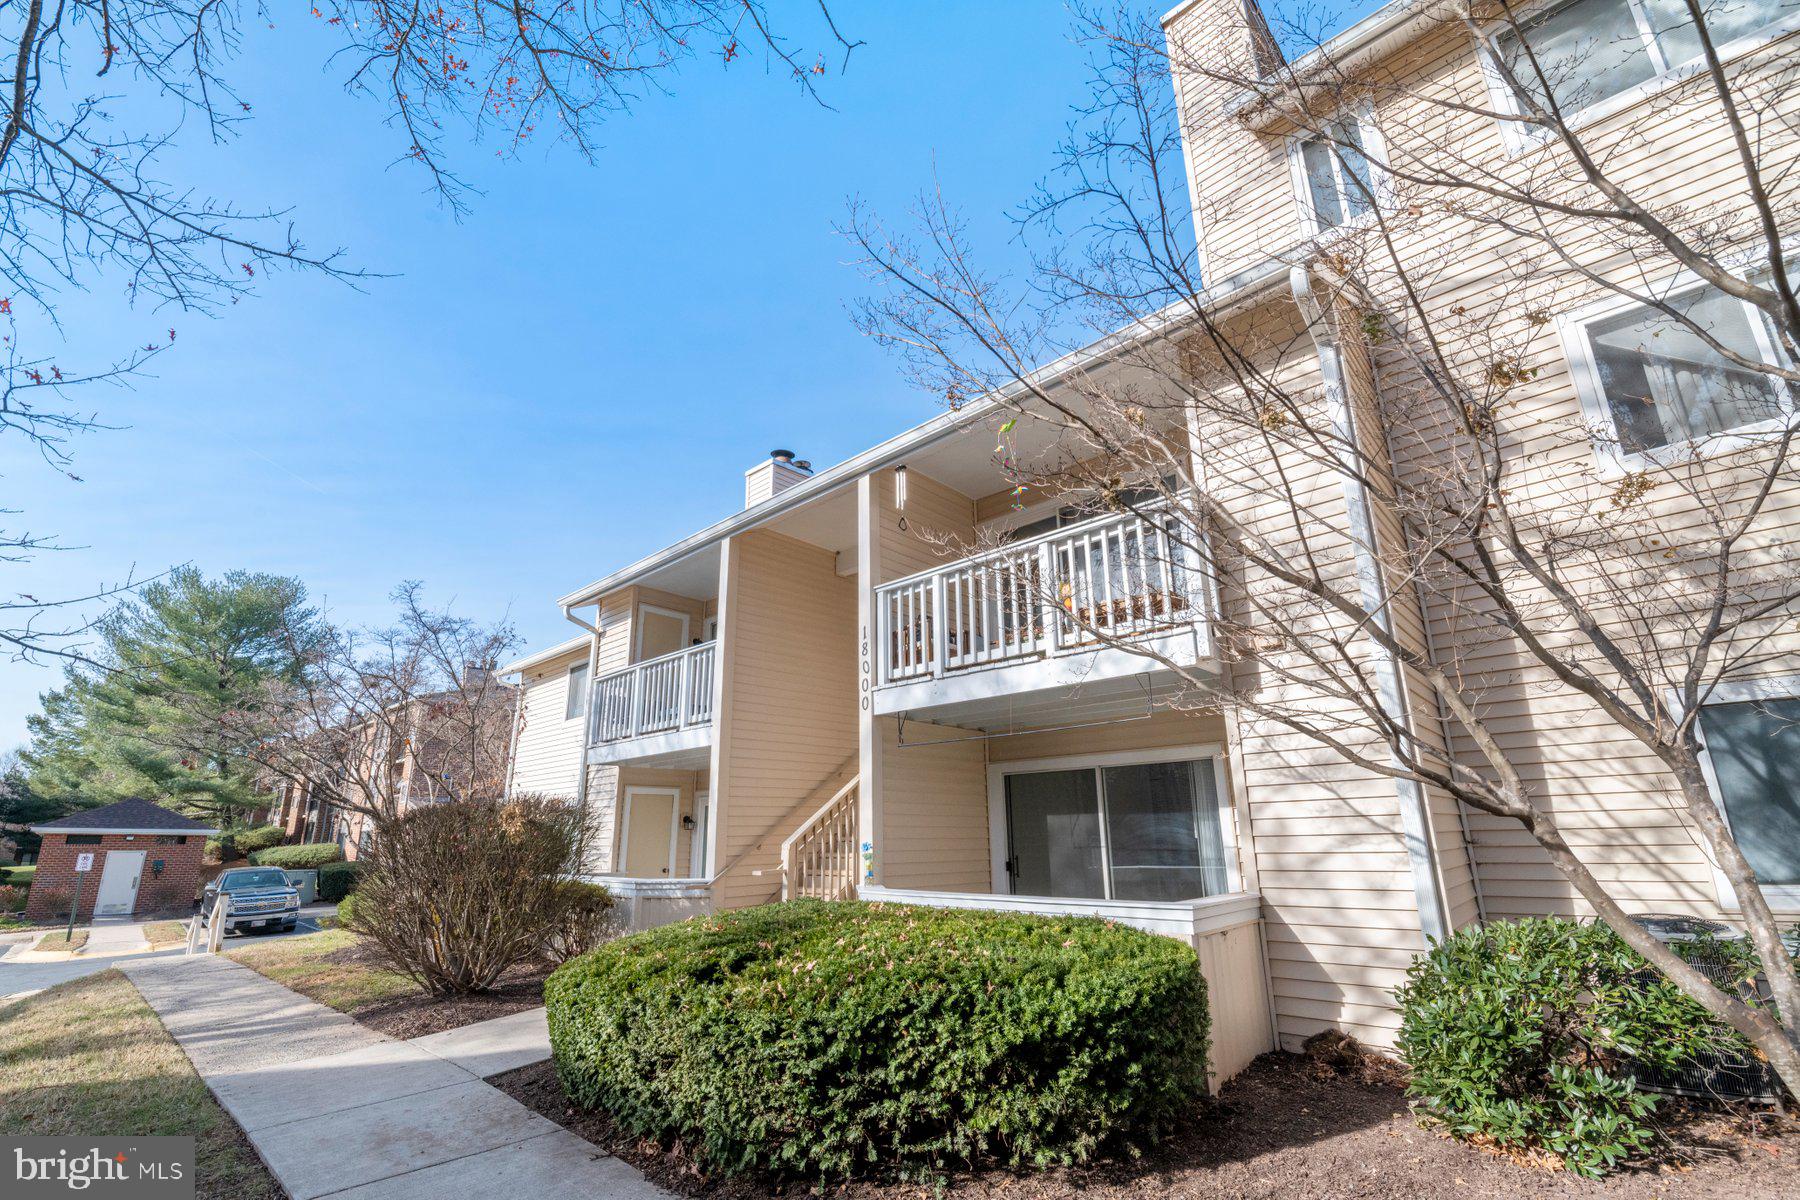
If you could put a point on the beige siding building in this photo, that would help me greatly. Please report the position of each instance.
(884, 678)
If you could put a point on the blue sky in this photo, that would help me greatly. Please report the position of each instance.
(576, 372)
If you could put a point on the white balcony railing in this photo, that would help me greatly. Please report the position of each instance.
(659, 695)
(1109, 578)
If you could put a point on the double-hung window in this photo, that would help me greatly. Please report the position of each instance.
(1649, 382)
(1585, 53)
(1150, 831)
(1751, 734)
(1334, 175)
(576, 703)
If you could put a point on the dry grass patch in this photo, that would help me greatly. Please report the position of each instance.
(55, 939)
(330, 967)
(89, 1057)
(162, 934)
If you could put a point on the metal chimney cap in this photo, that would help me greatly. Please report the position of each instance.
(782, 456)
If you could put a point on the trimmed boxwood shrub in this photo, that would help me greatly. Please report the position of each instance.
(828, 1040)
(1523, 1032)
(308, 856)
(346, 912)
(337, 880)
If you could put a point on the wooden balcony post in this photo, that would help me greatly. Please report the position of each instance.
(634, 717)
(1050, 601)
(683, 715)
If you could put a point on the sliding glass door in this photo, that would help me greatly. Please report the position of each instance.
(1137, 831)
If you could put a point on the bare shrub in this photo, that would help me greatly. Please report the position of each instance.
(585, 916)
(454, 894)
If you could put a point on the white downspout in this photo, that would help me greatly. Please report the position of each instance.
(587, 720)
(1414, 818)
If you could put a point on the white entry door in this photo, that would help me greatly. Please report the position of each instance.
(119, 882)
(649, 832)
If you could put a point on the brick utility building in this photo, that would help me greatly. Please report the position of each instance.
(145, 858)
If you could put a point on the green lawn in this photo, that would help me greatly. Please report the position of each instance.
(312, 965)
(90, 1058)
(18, 876)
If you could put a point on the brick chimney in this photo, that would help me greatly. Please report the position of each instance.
(779, 472)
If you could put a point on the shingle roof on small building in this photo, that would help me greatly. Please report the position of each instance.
(135, 815)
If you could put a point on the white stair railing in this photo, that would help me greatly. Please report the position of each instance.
(821, 858)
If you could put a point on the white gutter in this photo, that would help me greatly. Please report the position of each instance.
(561, 650)
(1232, 293)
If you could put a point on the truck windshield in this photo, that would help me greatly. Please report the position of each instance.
(270, 877)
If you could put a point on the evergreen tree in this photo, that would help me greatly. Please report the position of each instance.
(178, 667)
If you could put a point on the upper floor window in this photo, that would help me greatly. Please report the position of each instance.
(1657, 383)
(1588, 51)
(1333, 175)
(576, 703)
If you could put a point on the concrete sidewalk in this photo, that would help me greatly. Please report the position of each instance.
(336, 1109)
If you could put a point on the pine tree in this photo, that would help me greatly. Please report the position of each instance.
(178, 667)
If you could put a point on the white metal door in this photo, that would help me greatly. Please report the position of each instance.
(119, 882)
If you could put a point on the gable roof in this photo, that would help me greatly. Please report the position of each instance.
(135, 815)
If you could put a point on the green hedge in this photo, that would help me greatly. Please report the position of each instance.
(346, 911)
(309, 856)
(832, 1040)
(1517, 1031)
(337, 880)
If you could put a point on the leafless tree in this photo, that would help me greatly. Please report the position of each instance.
(380, 721)
(95, 92)
(1378, 449)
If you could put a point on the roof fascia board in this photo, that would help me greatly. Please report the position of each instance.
(1232, 294)
(561, 650)
(83, 831)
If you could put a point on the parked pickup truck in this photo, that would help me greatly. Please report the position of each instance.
(255, 898)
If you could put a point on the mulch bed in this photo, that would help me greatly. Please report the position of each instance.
(416, 1015)
(1288, 1127)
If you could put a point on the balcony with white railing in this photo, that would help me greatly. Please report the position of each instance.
(1096, 606)
(657, 710)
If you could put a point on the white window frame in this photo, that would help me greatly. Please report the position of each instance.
(1609, 450)
(574, 694)
(633, 790)
(1375, 153)
(686, 620)
(1000, 837)
(1520, 139)
(1783, 898)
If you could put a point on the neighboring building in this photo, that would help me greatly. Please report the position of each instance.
(810, 698)
(407, 758)
(141, 857)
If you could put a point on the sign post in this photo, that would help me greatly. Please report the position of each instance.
(84, 863)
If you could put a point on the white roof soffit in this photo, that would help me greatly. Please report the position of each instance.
(1227, 296)
(560, 650)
